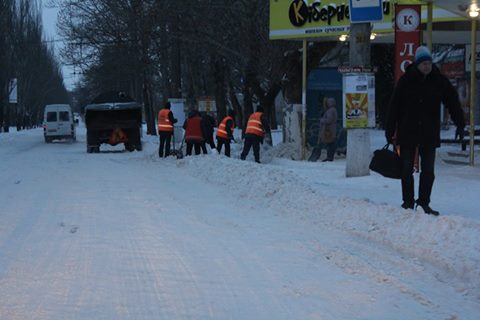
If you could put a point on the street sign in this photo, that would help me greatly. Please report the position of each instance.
(12, 91)
(366, 11)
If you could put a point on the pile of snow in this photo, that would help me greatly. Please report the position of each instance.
(448, 243)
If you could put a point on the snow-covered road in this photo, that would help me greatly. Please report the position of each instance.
(121, 235)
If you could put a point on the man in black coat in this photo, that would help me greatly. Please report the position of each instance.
(413, 121)
(208, 125)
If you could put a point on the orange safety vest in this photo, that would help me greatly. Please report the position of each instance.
(254, 124)
(222, 128)
(164, 123)
(193, 131)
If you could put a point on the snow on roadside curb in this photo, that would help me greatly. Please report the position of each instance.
(449, 243)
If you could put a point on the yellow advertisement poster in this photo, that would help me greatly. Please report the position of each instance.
(296, 19)
(356, 110)
(358, 100)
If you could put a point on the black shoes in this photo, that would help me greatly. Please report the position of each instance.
(426, 209)
(326, 159)
(419, 207)
(406, 205)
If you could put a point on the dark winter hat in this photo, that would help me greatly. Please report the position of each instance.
(168, 105)
(231, 113)
(422, 54)
(259, 109)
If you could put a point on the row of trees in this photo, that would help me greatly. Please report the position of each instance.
(26, 56)
(154, 50)
(164, 49)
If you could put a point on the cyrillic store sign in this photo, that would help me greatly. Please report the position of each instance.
(294, 19)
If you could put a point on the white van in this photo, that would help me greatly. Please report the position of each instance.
(58, 122)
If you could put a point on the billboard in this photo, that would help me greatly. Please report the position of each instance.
(296, 19)
(407, 37)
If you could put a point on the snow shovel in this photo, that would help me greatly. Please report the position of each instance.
(180, 151)
(316, 152)
(177, 153)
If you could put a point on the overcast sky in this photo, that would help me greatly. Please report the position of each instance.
(49, 16)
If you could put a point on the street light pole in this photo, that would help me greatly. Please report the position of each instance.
(473, 89)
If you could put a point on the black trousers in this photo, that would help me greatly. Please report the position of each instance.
(220, 143)
(210, 141)
(427, 174)
(165, 140)
(331, 146)
(197, 146)
(251, 141)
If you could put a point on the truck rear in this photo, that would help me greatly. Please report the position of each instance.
(113, 118)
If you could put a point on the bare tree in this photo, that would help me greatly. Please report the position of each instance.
(181, 49)
(26, 56)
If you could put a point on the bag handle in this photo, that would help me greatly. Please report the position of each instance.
(388, 144)
(394, 149)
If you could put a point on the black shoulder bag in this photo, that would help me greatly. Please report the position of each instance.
(387, 163)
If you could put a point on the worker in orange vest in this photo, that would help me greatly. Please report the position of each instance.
(194, 135)
(165, 130)
(257, 126)
(225, 132)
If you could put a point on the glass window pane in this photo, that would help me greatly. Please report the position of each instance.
(51, 116)
(64, 116)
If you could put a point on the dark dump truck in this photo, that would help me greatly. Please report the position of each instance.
(113, 118)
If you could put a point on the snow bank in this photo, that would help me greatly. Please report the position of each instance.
(448, 243)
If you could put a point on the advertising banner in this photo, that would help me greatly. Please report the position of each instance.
(407, 37)
(359, 100)
(12, 91)
(207, 104)
(297, 19)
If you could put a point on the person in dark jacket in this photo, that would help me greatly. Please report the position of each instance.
(208, 125)
(194, 135)
(225, 132)
(413, 121)
(165, 130)
(257, 126)
(328, 129)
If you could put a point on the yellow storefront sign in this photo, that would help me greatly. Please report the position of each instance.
(296, 19)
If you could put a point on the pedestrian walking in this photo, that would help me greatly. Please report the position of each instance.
(194, 135)
(225, 132)
(328, 129)
(165, 130)
(257, 126)
(413, 121)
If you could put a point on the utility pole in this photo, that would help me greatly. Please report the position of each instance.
(358, 139)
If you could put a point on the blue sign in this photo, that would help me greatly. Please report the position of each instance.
(366, 11)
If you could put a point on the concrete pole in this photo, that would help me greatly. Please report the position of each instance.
(304, 100)
(358, 140)
(473, 89)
